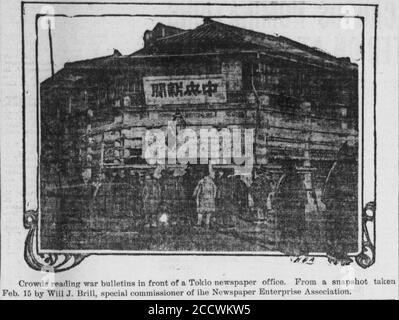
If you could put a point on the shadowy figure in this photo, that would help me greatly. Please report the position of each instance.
(151, 197)
(260, 190)
(134, 201)
(228, 203)
(205, 194)
(289, 202)
(340, 197)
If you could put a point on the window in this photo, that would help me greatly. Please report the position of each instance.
(133, 151)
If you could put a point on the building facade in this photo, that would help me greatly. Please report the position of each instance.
(300, 103)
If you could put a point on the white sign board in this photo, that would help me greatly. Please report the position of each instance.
(185, 89)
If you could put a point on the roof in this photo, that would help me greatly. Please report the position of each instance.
(169, 29)
(95, 61)
(213, 36)
(216, 37)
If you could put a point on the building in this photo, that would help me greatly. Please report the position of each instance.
(300, 102)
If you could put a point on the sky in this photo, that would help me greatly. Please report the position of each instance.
(78, 38)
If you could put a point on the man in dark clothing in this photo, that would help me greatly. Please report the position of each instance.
(124, 194)
(189, 181)
(120, 191)
(51, 200)
(227, 200)
(180, 198)
(260, 190)
(173, 197)
(221, 185)
(77, 205)
(103, 204)
(99, 198)
(240, 194)
(168, 206)
(205, 194)
(134, 198)
(289, 202)
(151, 198)
(340, 197)
(115, 181)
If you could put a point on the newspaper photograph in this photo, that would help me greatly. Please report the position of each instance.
(196, 150)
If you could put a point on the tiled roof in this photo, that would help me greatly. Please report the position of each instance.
(213, 36)
(95, 62)
(217, 37)
(208, 37)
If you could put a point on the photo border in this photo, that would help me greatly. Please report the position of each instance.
(61, 260)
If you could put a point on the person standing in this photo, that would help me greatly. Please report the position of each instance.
(134, 202)
(151, 198)
(220, 182)
(125, 189)
(177, 196)
(181, 201)
(227, 202)
(290, 200)
(99, 200)
(79, 204)
(205, 194)
(168, 206)
(340, 197)
(116, 201)
(189, 183)
(239, 197)
(260, 191)
(51, 200)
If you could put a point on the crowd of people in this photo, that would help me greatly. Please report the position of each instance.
(216, 199)
(154, 199)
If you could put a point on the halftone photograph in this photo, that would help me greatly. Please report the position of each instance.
(211, 135)
(183, 143)
(182, 151)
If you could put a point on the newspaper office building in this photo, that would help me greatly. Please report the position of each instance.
(300, 102)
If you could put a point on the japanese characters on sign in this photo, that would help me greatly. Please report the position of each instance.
(184, 89)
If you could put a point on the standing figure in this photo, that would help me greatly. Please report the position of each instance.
(240, 196)
(116, 201)
(180, 198)
(227, 201)
(123, 194)
(189, 184)
(77, 204)
(168, 206)
(99, 200)
(205, 194)
(151, 198)
(260, 191)
(315, 222)
(51, 199)
(86, 192)
(289, 202)
(103, 204)
(340, 197)
(134, 199)
(220, 182)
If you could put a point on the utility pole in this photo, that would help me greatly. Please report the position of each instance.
(51, 48)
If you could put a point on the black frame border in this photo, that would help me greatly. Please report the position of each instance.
(59, 261)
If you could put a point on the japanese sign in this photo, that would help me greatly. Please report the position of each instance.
(184, 89)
